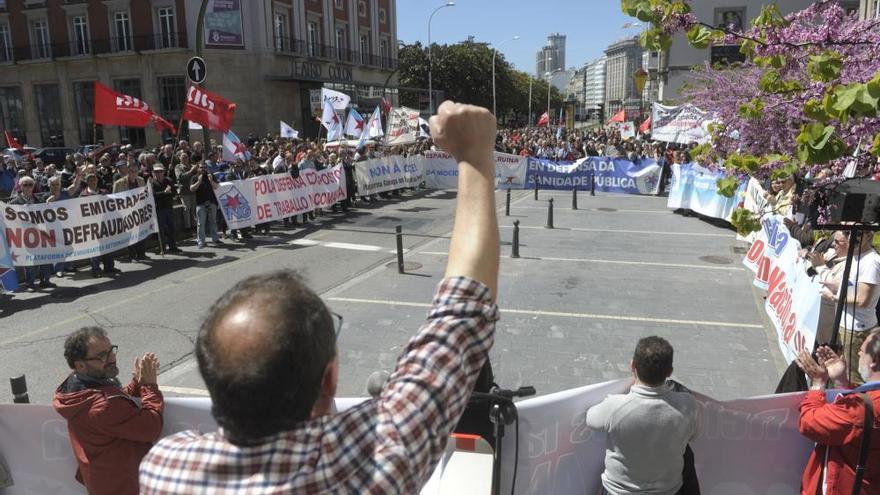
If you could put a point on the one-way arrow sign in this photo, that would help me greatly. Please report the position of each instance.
(196, 70)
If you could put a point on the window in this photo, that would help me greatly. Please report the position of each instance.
(313, 34)
(362, 8)
(80, 36)
(280, 27)
(384, 53)
(340, 4)
(382, 18)
(131, 135)
(49, 113)
(5, 44)
(365, 49)
(40, 47)
(12, 112)
(340, 43)
(172, 94)
(84, 97)
(167, 33)
(122, 25)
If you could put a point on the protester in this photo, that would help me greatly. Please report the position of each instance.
(28, 197)
(131, 180)
(862, 297)
(163, 193)
(267, 353)
(203, 185)
(184, 172)
(648, 429)
(838, 427)
(111, 428)
(91, 189)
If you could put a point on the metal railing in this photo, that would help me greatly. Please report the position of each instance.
(285, 44)
(47, 51)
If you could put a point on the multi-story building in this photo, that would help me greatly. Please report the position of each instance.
(869, 8)
(552, 56)
(587, 88)
(651, 64)
(266, 56)
(677, 63)
(623, 58)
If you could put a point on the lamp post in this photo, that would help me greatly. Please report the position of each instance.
(430, 60)
(494, 53)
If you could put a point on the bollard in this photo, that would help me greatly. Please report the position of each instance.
(19, 390)
(536, 187)
(515, 251)
(549, 214)
(593, 182)
(507, 205)
(399, 234)
(574, 198)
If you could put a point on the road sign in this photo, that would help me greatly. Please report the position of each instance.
(196, 70)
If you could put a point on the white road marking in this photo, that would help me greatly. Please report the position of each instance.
(589, 316)
(343, 245)
(610, 231)
(199, 392)
(611, 262)
(560, 208)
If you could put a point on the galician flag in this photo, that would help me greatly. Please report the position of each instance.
(354, 126)
(288, 132)
(374, 127)
(330, 121)
(233, 148)
(8, 277)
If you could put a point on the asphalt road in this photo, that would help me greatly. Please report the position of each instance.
(573, 305)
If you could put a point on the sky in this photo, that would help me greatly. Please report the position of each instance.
(590, 26)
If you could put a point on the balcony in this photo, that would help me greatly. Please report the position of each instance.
(134, 44)
(302, 48)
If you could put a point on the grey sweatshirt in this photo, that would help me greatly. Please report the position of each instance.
(647, 431)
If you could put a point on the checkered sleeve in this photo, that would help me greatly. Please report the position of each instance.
(428, 391)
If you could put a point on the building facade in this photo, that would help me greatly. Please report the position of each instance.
(267, 56)
(552, 56)
(623, 58)
(869, 9)
(587, 88)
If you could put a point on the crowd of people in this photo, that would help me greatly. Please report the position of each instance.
(267, 352)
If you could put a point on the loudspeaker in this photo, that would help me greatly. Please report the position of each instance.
(855, 200)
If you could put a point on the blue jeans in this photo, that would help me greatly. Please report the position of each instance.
(31, 272)
(166, 228)
(206, 214)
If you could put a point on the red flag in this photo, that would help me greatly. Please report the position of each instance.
(619, 116)
(208, 109)
(386, 105)
(646, 126)
(544, 120)
(112, 108)
(12, 142)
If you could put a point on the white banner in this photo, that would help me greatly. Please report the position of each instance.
(78, 228)
(403, 126)
(389, 173)
(441, 170)
(745, 446)
(793, 298)
(754, 202)
(694, 187)
(245, 203)
(684, 124)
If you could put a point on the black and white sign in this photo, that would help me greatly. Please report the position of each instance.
(196, 70)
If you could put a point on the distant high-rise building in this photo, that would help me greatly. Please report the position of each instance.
(587, 85)
(623, 59)
(552, 56)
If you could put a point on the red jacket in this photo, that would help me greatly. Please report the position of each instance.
(109, 432)
(837, 429)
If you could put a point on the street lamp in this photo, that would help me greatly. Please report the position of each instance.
(495, 52)
(549, 75)
(430, 61)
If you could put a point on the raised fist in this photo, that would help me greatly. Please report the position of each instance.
(466, 132)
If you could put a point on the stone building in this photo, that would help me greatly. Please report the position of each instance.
(623, 58)
(266, 56)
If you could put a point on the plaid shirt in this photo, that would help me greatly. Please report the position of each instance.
(385, 445)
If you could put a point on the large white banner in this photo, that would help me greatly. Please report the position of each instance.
(441, 170)
(78, 228)
(389, 173)
(745, 446)
(403, 126)
(694, 187)
(684, 124)
(793, 297)
(245, 203)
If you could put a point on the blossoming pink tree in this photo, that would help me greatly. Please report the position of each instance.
(806, 99)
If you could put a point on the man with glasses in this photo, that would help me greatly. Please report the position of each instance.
(110, 427)
(267, 352)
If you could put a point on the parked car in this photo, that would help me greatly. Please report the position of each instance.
(54, 156)
(97, 151)
(17, 155)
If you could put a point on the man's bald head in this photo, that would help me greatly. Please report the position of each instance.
(262, 352)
